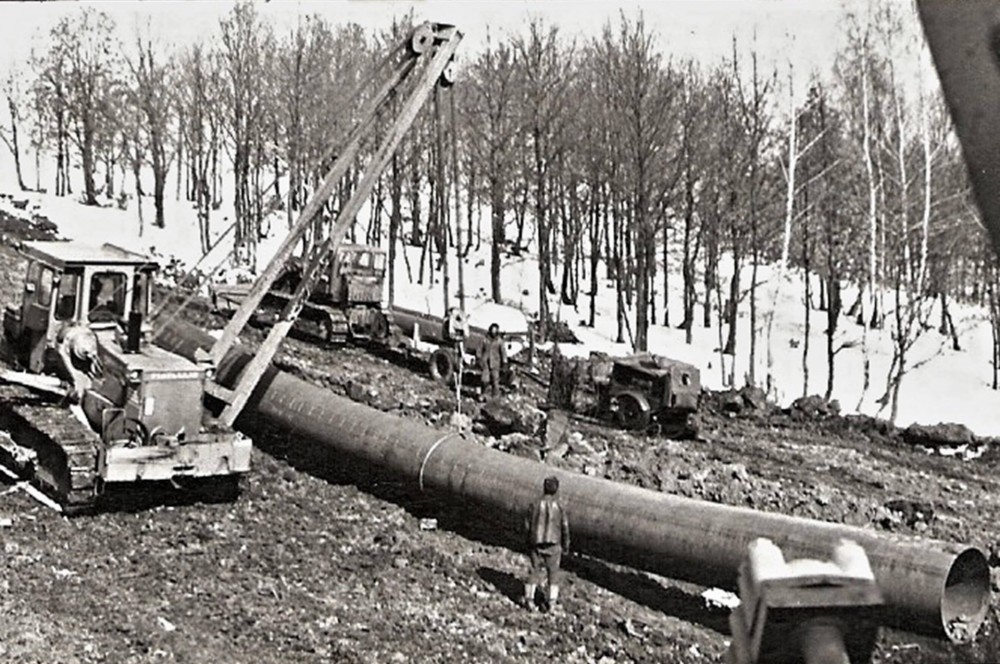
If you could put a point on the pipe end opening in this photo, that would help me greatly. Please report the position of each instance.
(966, 596)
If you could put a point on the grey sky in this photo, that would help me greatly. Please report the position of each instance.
(805, 30)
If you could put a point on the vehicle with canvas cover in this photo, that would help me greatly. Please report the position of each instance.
(642, 392)
(647, 390)
(82, 318)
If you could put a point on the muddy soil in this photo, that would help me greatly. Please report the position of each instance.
(323, 558)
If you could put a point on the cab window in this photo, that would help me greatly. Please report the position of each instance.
(67, 295)
(44, 294)
(31, 277)
(107, 296)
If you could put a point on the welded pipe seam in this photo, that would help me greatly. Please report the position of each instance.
(423, 464)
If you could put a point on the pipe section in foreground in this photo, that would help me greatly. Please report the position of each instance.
(929, 586)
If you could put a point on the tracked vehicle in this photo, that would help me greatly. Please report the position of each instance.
(345, 301)
(140, 418)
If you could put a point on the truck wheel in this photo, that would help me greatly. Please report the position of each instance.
(380, 326)
(442, 366)
(631, 414)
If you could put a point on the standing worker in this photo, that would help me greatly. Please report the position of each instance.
(493, 359)
(548, 540)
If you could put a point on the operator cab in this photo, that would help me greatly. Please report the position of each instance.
(102, 286)
(357, 275)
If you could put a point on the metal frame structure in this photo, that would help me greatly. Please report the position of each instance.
(430, 50)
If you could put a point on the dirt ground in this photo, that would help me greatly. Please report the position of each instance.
(325, 559)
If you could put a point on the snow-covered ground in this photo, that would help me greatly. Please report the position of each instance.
(951, 386)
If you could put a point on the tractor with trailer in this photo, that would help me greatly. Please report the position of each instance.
(642, 392)
(141, 415)
(345, 305)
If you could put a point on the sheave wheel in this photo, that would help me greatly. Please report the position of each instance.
(631, 414)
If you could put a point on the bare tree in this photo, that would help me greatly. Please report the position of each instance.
(546, 69)
(643, 95)
(14, 91)
(247, 43)
(151, 94)
(198, 88)
(84, 56)
(490, 112)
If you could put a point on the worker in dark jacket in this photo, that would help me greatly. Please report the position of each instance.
(548, 540)
(493, 358)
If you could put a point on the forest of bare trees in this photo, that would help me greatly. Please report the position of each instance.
(619, 165)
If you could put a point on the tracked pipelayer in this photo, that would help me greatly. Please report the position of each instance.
(141, 415)
(82, 315)
(64, 453)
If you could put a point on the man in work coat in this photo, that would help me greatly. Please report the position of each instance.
(548, 539)
(493, 358)
(77, 350)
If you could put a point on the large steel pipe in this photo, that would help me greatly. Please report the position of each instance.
(929, 586)
(431, 329)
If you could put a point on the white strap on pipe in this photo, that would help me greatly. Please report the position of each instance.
(423, 464)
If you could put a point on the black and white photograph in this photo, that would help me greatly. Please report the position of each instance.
(488, 331)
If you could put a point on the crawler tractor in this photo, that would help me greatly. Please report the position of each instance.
(345, 300)
(142, 415)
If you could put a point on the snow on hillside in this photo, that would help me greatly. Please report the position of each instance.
(948, 386)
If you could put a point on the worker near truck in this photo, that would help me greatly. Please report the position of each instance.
(76, 346)
(493, 359)
(548, 540)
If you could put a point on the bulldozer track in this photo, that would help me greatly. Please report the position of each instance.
(67, 451)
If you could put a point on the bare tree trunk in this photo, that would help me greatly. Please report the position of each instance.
(13, 144)
(733, 305)
(666, 275)
(89, 165)
(786, 238)
(618, 273)
(832, 320)
(395, 220)
(597, 222)
(947, 324)
(136, 167)
(872, 229)
(994, 300)
(63, 187)
(690, 255)
(160, 167)
(498, 212)
(711, 277)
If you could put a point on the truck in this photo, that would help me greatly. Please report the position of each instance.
(141, 415)
(641, 392)
(145, 413)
